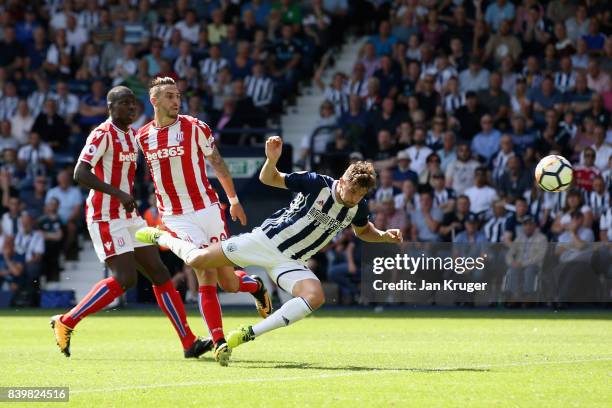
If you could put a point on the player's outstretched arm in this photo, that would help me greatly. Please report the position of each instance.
(370, 233)
(225, 178)
(84, 176)
(269, 174)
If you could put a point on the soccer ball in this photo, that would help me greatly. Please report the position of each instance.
(554, 173)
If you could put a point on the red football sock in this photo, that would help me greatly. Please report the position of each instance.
(210, 309)
(101, 295)
(169, 300)
(247, 284)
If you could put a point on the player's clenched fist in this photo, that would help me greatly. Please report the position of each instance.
(274, 148)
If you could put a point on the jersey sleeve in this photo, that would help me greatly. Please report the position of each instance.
(204, 137)
(362, 217)
(304, 182)
(95, 147)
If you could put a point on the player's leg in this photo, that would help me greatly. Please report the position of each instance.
(193, 256)
(301, 283)
(101, 295)
(238, 280)
(169, 300)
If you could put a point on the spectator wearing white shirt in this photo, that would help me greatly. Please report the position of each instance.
(7, 141)
(67, 103)
(481, 195)
(59, 19)
(418, 152)
(125, 66)
(460, 172)
(603, 151)
(76, 35)
(22, 122)
(56, 49)
(70, 208)
(189, 28)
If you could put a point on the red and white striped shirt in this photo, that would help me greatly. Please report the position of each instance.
(112, 154)
(175, 155)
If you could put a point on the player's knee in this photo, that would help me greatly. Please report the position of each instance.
(197, 259)
(315, 298)
(127, 280)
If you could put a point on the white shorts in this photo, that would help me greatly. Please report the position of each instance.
(254, 248)
(115, 237)
(202, 228)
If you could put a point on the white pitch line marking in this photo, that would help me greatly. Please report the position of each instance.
(325, 376)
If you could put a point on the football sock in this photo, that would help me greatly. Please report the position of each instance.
(185, 250)
(100, 296)
(169, 300)
(289, 313)
(247, 284)
(210, 309)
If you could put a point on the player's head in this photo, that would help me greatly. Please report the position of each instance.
(121, 103)
(165, 97)
(355, 183)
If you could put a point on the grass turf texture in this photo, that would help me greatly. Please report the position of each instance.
(334, 358)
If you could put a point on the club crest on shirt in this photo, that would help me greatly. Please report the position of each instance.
(180, 137)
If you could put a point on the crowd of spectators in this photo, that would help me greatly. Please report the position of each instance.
(455, 102)
(238, 65)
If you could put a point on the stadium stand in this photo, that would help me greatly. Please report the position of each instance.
(453, 101)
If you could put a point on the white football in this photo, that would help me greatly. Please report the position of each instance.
(554, 173)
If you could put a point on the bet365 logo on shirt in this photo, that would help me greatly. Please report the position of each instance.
(128, 157)
(166, 152)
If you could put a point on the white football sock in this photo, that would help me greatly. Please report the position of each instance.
(185, 250)
(289, 313)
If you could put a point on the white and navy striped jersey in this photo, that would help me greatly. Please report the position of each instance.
(313, 218)
(340, 99)
(88, 19)
(494, 229)
(359, 88)
(599, 203)
(163, 32)
(453, 102)
(565, 81)
(210, 67)
(441, 197)
(260, 89)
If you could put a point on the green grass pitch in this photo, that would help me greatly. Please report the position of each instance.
(333, 358)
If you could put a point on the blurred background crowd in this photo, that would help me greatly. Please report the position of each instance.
(454, 101)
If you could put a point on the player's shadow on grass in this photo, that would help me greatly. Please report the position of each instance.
(307, 366)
